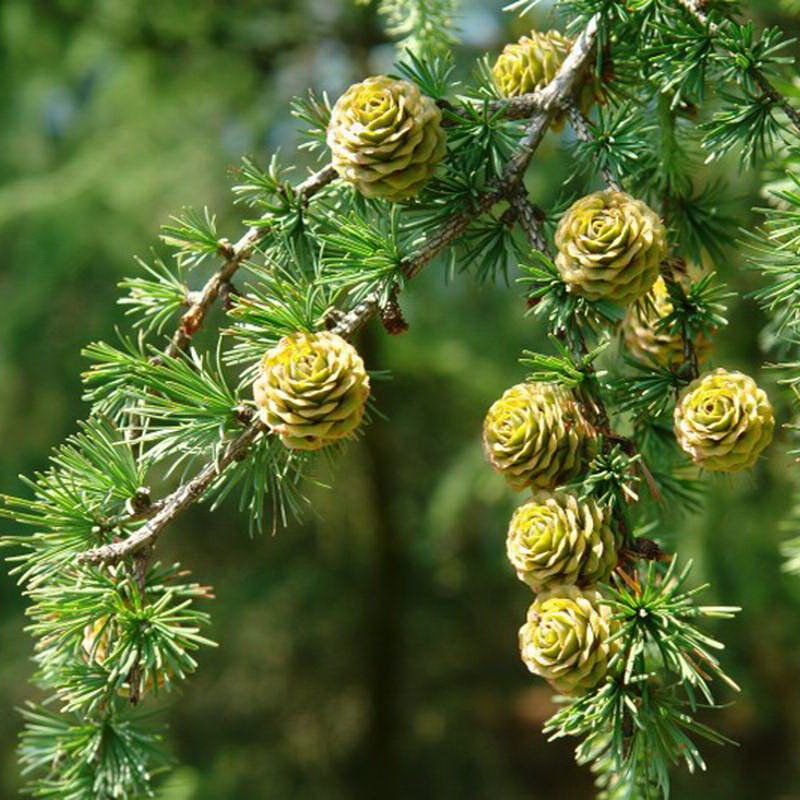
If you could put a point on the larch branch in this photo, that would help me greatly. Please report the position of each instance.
(234, 255)
(582, 130)
(554, 97)
(530, 219)
(177, 502)
(695, 8)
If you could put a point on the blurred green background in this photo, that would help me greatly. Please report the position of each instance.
(370, 652)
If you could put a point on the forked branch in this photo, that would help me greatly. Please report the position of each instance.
(234, 255)
(553, 99)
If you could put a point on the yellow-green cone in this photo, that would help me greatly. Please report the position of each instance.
(559, 538)
(647, 342)
(536, 435)
(566, 639)
(312, 389)
(386, 138)
(531, 63)
(610, 246)
(724, 421)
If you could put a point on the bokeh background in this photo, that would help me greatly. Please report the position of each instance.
(371, 651)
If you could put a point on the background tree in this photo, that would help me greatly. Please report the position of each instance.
(442, 562)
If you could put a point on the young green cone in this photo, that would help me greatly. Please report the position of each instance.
(386, 138)
(531, 63)
(610, 247)
(536, 435)
(559, 538)
(648, 341)
(724, 421)
(566, 639)
(312, 389)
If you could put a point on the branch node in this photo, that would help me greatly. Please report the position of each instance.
(227, 292)
(140, 502)
(333, 318)
(392, 315)
(226, 250)
(645, 549)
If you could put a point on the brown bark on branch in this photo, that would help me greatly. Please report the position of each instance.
(521, 107)
(530, 219)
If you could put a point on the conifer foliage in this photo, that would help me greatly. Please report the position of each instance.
(604, 435)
